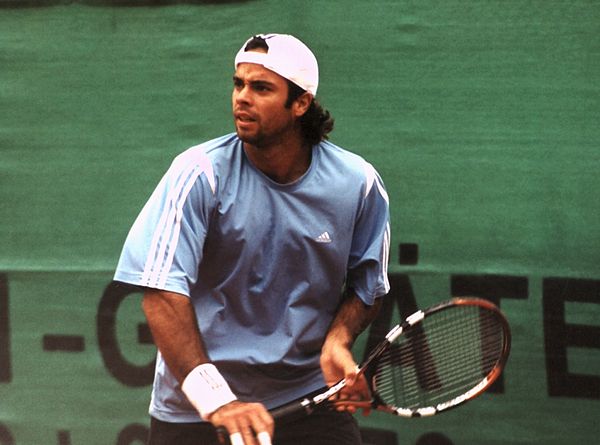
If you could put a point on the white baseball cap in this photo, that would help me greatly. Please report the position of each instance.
(286, 56)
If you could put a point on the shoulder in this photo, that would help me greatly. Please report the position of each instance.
(349, 164)
(206, 152)
(202, 159)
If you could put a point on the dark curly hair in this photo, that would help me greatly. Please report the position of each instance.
(317, 122)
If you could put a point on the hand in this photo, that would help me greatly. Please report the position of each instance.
(338, 363)
(246, 423)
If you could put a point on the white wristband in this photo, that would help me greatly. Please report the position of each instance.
(206, 389)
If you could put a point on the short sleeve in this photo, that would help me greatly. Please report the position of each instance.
(164, 246)
(369, 255)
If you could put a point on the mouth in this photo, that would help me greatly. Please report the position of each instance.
(243, 117)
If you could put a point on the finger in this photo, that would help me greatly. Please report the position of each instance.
(236, 439)
(359, 391)
(364, 391)
(264, 438)
(352, 407)
(264, 423)
(353, 403)
(348, 404)
(351, 374)
(249, 436)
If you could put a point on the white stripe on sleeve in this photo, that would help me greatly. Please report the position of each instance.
(166, 235)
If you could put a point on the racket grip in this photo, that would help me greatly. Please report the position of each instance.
(283, 414)
(223, 435)
(292, 411)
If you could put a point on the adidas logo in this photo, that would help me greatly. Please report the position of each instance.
(323, 238)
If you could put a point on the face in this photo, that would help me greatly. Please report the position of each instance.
(258, 100)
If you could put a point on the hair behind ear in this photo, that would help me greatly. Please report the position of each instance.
(317, 122)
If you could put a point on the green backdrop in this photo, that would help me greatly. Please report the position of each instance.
(481, 116)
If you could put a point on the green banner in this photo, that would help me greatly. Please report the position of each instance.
(481, 116)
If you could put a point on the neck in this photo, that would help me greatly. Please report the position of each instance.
(282, 162)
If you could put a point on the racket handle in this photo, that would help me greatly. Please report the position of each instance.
(223, 435)
(292, 411)
(283, 414)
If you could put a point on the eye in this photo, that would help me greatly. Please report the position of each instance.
(238, 83)
(261, 86)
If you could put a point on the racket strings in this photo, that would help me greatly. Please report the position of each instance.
(436, 377)
(443, 377)
(447, 354)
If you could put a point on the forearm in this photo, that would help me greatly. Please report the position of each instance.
(337, 361)
(352, 318)
(173, 324)
(172, 321)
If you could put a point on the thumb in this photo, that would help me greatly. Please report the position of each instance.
(351, 372)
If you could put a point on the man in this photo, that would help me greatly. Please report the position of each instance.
(263, 254)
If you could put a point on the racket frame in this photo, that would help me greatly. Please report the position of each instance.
(470, 394)
(308, 405)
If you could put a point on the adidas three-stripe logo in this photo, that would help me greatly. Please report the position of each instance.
(323, 238)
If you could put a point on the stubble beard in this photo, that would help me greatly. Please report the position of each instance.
(260, 141)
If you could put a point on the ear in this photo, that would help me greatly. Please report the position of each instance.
(302, 104)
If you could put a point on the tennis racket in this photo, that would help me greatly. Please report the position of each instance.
(436, 359)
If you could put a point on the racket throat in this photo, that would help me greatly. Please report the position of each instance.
(399, 329)
(333, 390)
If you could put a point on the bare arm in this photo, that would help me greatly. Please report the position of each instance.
(337, 361)
(172, 320)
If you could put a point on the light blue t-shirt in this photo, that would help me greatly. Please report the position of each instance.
(263, 263)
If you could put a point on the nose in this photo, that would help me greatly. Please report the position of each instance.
(241, 94)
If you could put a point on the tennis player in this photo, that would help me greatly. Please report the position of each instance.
(263, 254)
